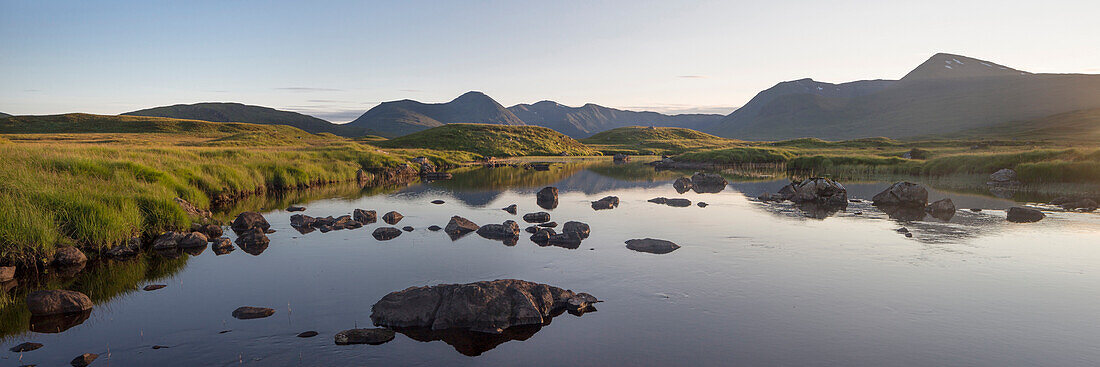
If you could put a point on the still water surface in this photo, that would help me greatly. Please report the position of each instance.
(753, 284)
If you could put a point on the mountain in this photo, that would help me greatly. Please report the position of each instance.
(404, 117)
(580, 122)
(947, 93)
(236, 112)
(3, 115)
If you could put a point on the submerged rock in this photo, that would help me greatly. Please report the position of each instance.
(434, 228)
(509, 229)
(58, 323)
(547, 198)
(128, 249)
(678, 202)
(569, 240)
(906, 194)
(254, 237)
(222, 246)
(307, 334)
(547, 225)
(371, 336)
(84, 359)
(153, 287)
(659, 200)
(53, 302)
(532, 229)
(407, 228)
(701, 204)
(537, 217)
(942, 209)
(1003, 177)
(209, 230)
(542, 236)
(69, 256)
(459, 226)
(249, 312)
(609, 202)
(1019, 214)
(295, 208)
(386, 233)
(653, 246)
(392, 217)
(511, 209)
(487, 307)
(248, 220)
(25, 347)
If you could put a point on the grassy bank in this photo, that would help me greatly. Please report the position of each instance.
(637, 140)
(492, 140)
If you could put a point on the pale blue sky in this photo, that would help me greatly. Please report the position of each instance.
(336, 59)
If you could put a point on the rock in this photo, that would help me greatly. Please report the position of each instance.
(434, 228)
(538, 217)
(682, 185)
(307, 334)
(84, 359)
(547, 198)
(580, 228)
(660, 200)
(569, 240)
(942, 209)
(128, 249)
(702, 204)
(192, 210)
(7, 273)
(653, 246)
(908, 234)
(509, 229)
(372, 336)
(193, 239)
(153, 287)
(58, 323)
(249, 312)
(69, 256)
(248, 220)
(1003, 177)
(677, 202)
(53, 302)
(547, 225)
(302, 221)
(438, 202)
(619, 157)
(542, 236)
(904, 213)
(704, 183)
(787, 192)
(160, 346)
(976, 210)
(1084, 204)
(221, 246)
(821, 191)
(407, 228)
(386, 233)
(511, 209)
(25, 347)
(295, 208)
(459, 226)
(364, 216)
(1019, 214)
(532, 229)
(253, 238)
(902, 230)
(487, 307)
(609, 202)
(904, 194)
(767, 196)
(211, 231)
(392, 217)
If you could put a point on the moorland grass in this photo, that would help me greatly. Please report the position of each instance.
(492, 140)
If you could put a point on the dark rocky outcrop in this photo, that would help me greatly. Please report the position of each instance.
(248, 220)
(221, 246)
(459, 226)
(547, 198)
(547, 225)
(193, 239)
(821, 191)
(386, 233)
(509, 229)
(69, 256)
(167, 240)
(364, 216)
(487, 307)
(537, 217)
(532, 229)
(53, 302)
(682, 185)
(392, 217)
(253, 238)
(511, 209)
(608, 202)
(942, 209)
(249, 312)
(904, 194)
(704, 183)
(542, 236)
(1019, 214)
(211, 231)
(580, 228)
(653, 246)
(678, 202)
(371, 336)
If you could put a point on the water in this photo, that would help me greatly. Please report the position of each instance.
(753, 284)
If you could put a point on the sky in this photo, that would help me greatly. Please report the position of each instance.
(337, 59)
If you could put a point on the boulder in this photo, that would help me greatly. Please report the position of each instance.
(128, 249)
(547, 198)
(1003, 177)
(364, 216)
(83, 359)
(511, 209)
(660, 200)
(580, 228)
(619, 157)
(295, 208)
(904, 194)
(653, 246)
(487, 307)
(609, 202)
(25, 347)
(569, 240)
(822, 191)
(372, 336)
(537, 217)
(434, 228)
(547, 225)
(386, 233)
(69, 256)
(532, 229)
(1084, 204)
(392, 217)
(53, 302)
(193, 239)
(221, 246)
(248, 220)
(703, 183)
(7, 273)
(1019, 214)
(249, 312)
(459, 226)
(787, 192)
(678, 202)
(701, 204)
(682, 185)
(542, 236)
(509, 229)
(942, 209)
(301, 221)
(253, 238)
(407, 228)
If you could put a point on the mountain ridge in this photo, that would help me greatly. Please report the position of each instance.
(239, 112)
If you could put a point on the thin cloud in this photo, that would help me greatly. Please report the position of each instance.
(691, 76)
(308, 89)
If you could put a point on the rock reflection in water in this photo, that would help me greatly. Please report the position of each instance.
(52, 324)
(254, 249)
(472, 343)
(904, 213)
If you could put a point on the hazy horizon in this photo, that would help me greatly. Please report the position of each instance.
(337, 62)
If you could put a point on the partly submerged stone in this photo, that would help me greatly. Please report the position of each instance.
(1018, 214)
(902, 193)
(25, 347)
(69, 256)
(392, 217)
(537, 217)
(651, 245)
(609, 202)
(459, 226)
(52, 302)
(580, 228)
(386, 233)
(511, 209)
(83, 359)
(547, 198)
(248, 220)
(249, 312)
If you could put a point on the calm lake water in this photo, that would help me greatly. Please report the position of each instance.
(754, 283)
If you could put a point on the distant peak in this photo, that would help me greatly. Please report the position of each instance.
(952, 66)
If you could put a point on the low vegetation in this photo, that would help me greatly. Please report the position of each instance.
(637, 140)
(492, 140)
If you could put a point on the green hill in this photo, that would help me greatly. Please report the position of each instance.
(492, 140)
(1075, 126)
(654, 140)
(236, 112)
